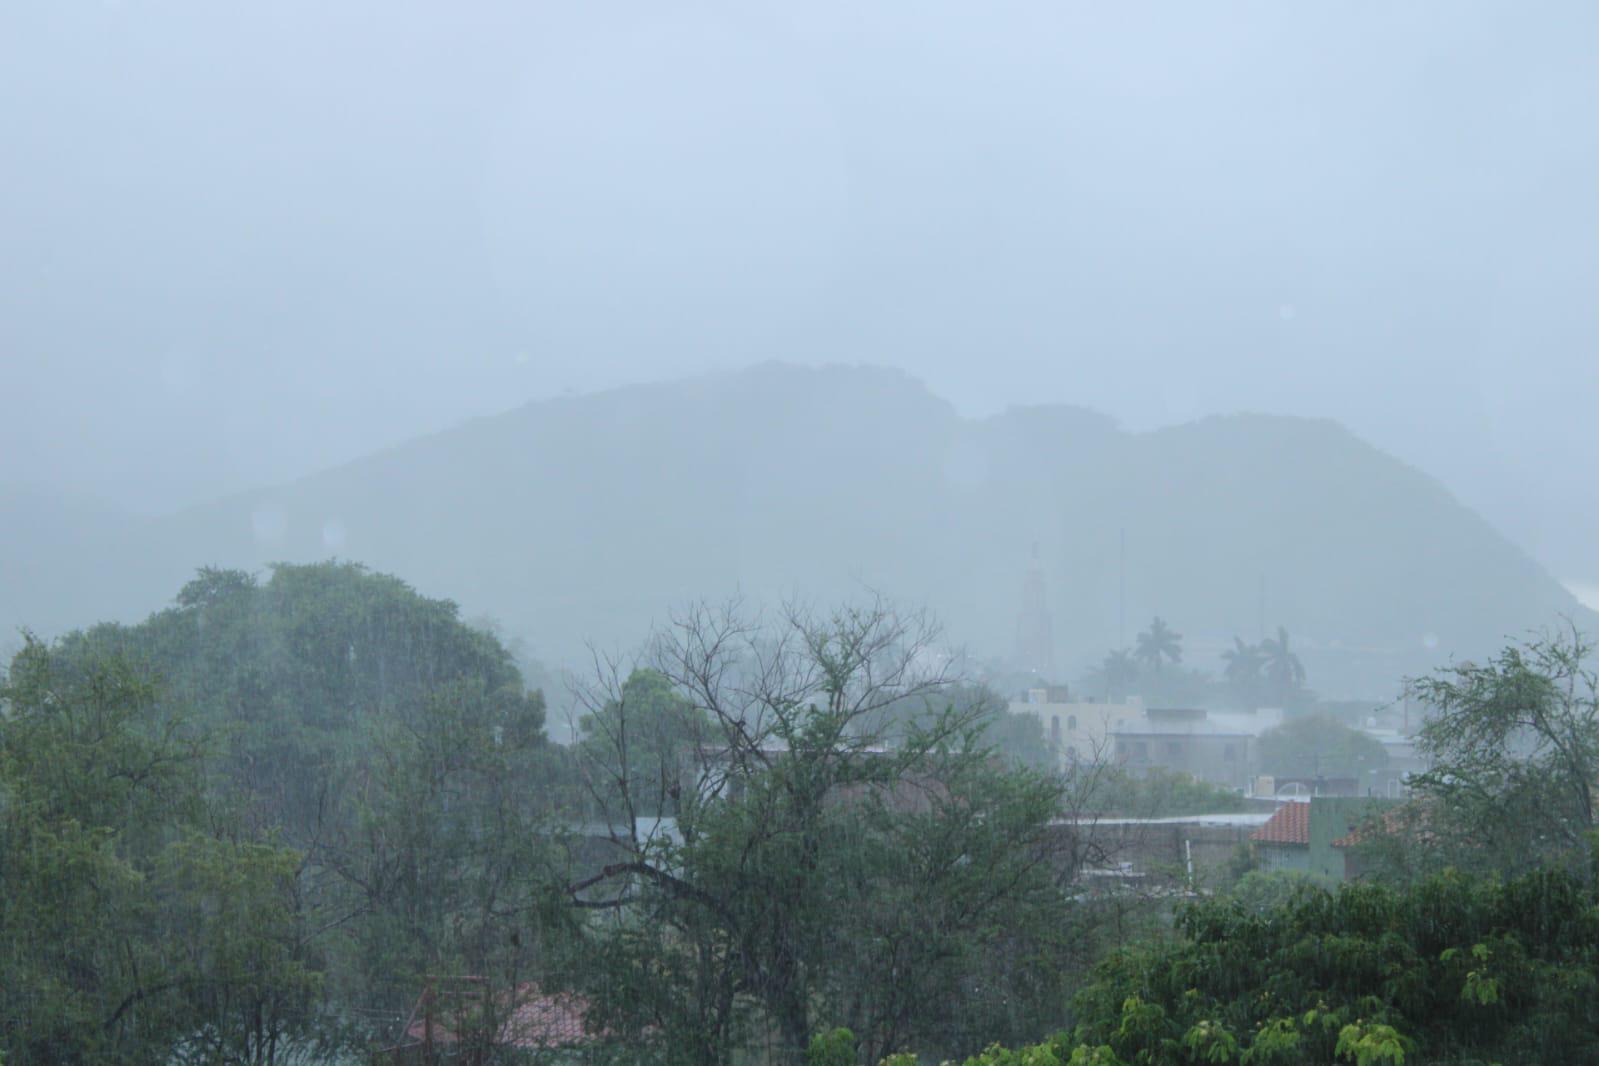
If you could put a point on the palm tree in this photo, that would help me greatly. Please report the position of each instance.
(1244, 663)
(1157, 644)
(1284, 672)
(1120, 671)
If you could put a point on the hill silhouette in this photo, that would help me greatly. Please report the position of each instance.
(589, 518)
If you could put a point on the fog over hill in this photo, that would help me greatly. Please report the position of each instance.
(589, 518)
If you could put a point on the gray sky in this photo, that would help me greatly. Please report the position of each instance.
(243, 241)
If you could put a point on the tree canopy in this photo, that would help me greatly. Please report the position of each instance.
(1268, 673)
(1453, 969)
(1158, 645)
(1513, 745)
(268, 804)
(832, 862)
(257, 825)
(128, 925)
(1318, 745)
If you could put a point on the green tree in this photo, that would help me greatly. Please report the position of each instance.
(1452, 969)
(833, 861)
(1245, 663)
(1158, 645)
(365, 729)
(82, 787)
(1116, 677)
(238, 951)
(833, 1048)
(1283, 672)
(634, 745)
(1018, 737)
(451, 867)
(1318, 745)
(129, 931)
(1265, 891)
(1513, 748)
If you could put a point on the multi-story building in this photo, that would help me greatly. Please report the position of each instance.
(1219, 748)
(1078, 731)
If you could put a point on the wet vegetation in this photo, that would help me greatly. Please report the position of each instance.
(269, 823)
(813, 534)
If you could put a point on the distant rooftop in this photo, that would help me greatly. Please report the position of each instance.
(534, 1020)
(1289, 825)
(1224, 818)
(1167, 722)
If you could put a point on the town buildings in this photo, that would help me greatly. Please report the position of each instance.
(1317, 836)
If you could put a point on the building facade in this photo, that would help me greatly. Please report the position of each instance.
(1318, 836)
(1078, 731)
(1219, 748)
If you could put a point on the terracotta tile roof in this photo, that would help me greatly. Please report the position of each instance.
(1393, 822)
(547, 1021)
(537, 1020)
(1290, 825)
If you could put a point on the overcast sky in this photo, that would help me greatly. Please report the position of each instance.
(239, 242)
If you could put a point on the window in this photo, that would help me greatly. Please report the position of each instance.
(1229, 754)
(1071, 723)
(1173, 749)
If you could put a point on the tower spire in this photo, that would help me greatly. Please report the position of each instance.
(1035, 636)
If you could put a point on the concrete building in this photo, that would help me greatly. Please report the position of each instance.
(1303, 788)
(1079, 731)
(1316, 837)
(1219, 748)
(1141, 853)
(1332, 820)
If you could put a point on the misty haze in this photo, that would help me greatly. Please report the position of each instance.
(828, 534)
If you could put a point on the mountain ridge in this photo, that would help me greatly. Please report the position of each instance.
(577, 518)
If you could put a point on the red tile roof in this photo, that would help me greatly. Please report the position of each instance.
(1290, 825)
(537, 1020)
(542, 1021)
(1393, 822)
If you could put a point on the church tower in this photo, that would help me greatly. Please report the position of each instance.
(1035, 633)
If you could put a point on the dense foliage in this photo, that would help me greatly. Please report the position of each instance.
(834, 859)
(132, 920)
(258, 825)
(1453, 969)
(1318, 745)
(250, 826)
(1513, 744)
